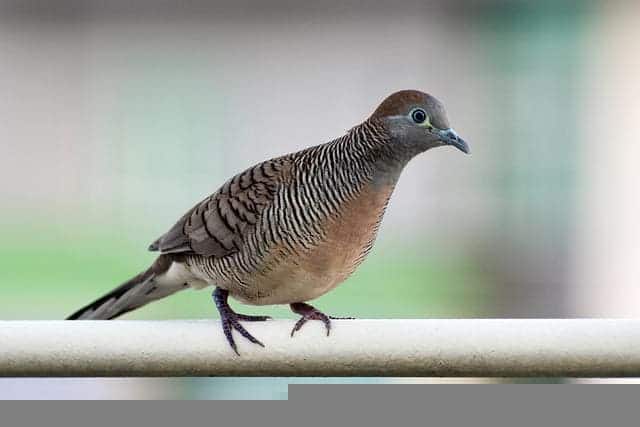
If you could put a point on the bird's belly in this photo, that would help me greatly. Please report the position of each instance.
(286, 287)
(302, 279)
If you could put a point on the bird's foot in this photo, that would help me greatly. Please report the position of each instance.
(231, 320)
(309, 312)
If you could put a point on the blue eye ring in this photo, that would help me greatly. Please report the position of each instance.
(419, 116)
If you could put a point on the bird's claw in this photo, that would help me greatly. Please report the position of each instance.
(231, 321)
(308, 312)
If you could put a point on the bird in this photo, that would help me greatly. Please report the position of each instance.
(289, 229)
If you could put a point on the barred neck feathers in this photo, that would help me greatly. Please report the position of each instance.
(349, 161)
(330, 175)
(370, 142)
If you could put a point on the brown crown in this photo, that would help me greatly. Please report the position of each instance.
(400, 102)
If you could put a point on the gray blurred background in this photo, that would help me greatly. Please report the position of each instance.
(116, 118)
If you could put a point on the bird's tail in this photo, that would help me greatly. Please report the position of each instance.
(134, 293)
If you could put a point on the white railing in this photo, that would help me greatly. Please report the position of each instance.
(435, 348)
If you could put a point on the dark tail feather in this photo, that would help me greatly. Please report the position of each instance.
(132, 294)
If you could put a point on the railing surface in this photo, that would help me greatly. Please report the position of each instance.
(435, 348)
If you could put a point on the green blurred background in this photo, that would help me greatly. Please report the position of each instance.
(115, 118)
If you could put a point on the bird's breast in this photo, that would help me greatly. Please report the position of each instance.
(347, 240)
(350, 235)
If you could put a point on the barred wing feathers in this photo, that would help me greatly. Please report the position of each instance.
(217, 226)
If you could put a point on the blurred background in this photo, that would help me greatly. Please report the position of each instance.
(116, 117)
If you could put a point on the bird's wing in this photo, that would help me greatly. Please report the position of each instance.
(218, 225)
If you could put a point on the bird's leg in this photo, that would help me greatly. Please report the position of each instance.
(230, 319)
(309, 312)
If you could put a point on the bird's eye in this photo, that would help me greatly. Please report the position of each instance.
(418, 116)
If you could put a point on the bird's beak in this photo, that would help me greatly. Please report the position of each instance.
(450, 137)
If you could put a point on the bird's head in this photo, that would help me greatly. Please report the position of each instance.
(417, 122)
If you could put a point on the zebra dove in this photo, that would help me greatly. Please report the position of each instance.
(290, 229)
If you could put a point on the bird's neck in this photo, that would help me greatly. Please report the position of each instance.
(368, 151)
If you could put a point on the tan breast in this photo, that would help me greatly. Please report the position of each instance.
(350, 237)
(348, 240)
